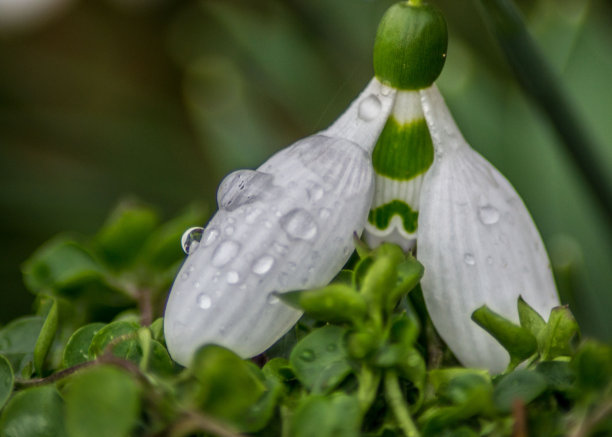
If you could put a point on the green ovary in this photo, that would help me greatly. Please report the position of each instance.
(403, 151)
(381, 216)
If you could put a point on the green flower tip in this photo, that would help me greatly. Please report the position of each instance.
(410, 47)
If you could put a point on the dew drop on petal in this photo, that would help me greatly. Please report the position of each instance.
(252, 215)
(225, 252)
(204, 301)
(272, 298)
(488, 215)
(369, 108)
(263, 265)
(307, 355)
(299, 224)
(210, 237)
(469, 259)
(315, 192)
(191, 239)
(232, 277)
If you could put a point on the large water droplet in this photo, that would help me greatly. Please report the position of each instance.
(488, 214)
(299, 224)
(191, 239)
(242, 187)
(307, 355)
(210, 237)
(369, 108)
(225, 252)
(263, 265)
(469, 259)
(232, 277)
(315, 191)
(204, 301)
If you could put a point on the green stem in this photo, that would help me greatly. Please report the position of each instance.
(538, 81)
(369, 380)
(394, 396)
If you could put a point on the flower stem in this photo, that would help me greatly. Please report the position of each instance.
(539, 82)
(395, 398)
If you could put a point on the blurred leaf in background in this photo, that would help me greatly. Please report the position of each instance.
(161, 99)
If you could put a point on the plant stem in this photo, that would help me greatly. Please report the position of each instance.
(538, 81)
(395, 398)
(369, 380)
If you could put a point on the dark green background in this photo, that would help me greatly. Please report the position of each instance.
(108, 99)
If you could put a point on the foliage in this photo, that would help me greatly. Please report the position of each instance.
(363, 361)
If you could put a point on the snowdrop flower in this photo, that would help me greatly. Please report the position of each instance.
(287, 225)
(473, 233)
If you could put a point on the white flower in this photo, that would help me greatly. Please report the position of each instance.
(478, 244)
(287, 225)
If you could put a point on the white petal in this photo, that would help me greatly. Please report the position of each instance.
(478, 244)
(289, 225)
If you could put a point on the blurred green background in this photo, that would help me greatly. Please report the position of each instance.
(158, 99)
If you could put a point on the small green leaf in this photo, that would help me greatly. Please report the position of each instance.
(335, 303)
(60, 264)
(593, 365)
(560, 330)
(110, 333)
(18, 339)
(157, 330)
(77, 348)
(522, 384)
(160, 361)
(320, 360)
(45, 338)
(279, 368)
(558, 374)
(123, 235)
(409, 273)
(227, 386)
(518, 341)
(335, 416)
(439, 378)
(378, 282)
(35, 412)
(530, 319)
(103, 401)
(6, 380)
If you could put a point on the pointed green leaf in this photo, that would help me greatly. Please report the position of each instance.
(334, 303)
(103, 401)
(518, 341)
(6, 380)
(530, 319)
(557, 337)
(45, 338)
(522, 384)
(77, 348)
(35, 412)
(320, 360)
(409, 273)
(18, 339)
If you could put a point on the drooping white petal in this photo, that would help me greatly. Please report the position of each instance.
(478, 244)
(288, 225)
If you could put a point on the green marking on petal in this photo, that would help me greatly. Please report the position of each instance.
(381, 216)
(403, 151)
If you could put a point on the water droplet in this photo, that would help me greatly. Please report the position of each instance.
(268, 224)
(272, 298)
(324, 213)
(204, 301)
(369, 108)
(281, 248)
(210, 237)
(229, 230)
(307, 355)
(184, 276)
(315, 192)
(489, 260)
(197, 284)
(488, 214)
(263, 265)
(232, 277)
(225, 252)
(385, 90)
(191, 239)
(469, 259)
(299, 224)
(252, 215)
(242, 187)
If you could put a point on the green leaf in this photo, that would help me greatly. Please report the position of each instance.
(123, 235)
(518, 341)
(112, 332)
(593, 365)
(6, 380)
(35, 412)
(77, 348)
(530, 319)
(45, 338)
(103, 401)
(335, 303)
(157, 330)
(439, 378)
(522, 384)
(279, 368)
(320, 360)
(18, 339)
(335, 416)
(259, 414)
(556, 338)
(558, 374)
(60, 264)
(227, 386)
(409, 273)
(160, 361)
(379, 280)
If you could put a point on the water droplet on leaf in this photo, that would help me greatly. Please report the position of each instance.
(307, 355)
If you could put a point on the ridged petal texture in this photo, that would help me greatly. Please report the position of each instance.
(287, 225)
(478, 244)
